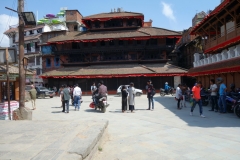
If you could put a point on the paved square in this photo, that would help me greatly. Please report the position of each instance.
(165, 133)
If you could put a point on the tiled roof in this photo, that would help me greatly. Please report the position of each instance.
(12, 70)
(28, 38)
(115, 70)
(113, 15)
(141, 32)
(165, 68)
(219, 67)
(26, 29)
(11, 30)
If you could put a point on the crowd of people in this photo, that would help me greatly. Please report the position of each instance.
(217, 92)
(128, 96)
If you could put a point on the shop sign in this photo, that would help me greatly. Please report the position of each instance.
(4, 78)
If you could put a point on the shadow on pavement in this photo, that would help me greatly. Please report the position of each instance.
(212, 119)
(93, 110)
(57, 112)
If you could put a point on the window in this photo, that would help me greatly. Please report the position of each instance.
(31, 32)
(75, 45)
(129, 22)
(71, 13)
(102, 43)
(75, 28)
(39, 30)
(49, 36)
(154, 41)
(36, 46)
(97, 24)
(38, 71)
(48, 62)
(85, 44)
(130, 42)
(24, 33)
(111, 43)
(29, 47)
(38, 60)
(120, 42)
(113, 23)
(14, 38)
(56, 61)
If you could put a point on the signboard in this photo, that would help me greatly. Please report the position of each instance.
(4, 78)
(12, 55)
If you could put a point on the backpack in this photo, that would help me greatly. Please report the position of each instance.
(153, 92)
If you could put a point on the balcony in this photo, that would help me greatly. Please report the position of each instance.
(226, 54)
(223, 37)
(101, 49)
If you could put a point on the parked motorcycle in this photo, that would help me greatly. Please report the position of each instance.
(163, 92)
(101, 105)
(205, 97)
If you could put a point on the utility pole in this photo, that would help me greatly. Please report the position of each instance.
(22, 77)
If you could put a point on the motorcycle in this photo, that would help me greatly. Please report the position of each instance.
(171, 91)
(101, 105)
(233, 103)
(205, 97)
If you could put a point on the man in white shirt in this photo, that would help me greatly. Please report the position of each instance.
(179, 95)
(77, 94)
(93, 87)
(213, 90)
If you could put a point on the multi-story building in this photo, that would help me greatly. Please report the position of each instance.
(220, 31)
(35, 38)
(116, 48)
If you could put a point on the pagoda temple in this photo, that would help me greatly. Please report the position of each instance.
(118, 48)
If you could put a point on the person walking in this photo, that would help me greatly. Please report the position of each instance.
(124, 98)
(213, 90)
(197, 98)
(131, 97)
(61, 95)
(150, 94)
(66, 98)
(33, 95)
(222, 96)
(77, 94)
(179, 96)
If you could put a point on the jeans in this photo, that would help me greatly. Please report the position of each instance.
(222, 103)
(214, 102)
(178, 104)
(199, 102)
(77, 102)
(150, 99)
(67, 105)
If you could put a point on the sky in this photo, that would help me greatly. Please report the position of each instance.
(169, 14)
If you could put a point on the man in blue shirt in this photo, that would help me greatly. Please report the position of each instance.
(222, 95)
(166, 87)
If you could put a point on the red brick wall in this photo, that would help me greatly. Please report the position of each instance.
(147, 24)
(73, 15)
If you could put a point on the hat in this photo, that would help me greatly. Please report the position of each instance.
(166, 83)
(219, 79)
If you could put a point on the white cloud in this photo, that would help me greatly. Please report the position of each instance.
(167, 11)
(4, 19)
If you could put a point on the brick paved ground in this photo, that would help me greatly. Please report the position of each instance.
(165, 133)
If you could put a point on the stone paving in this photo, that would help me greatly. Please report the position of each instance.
(165, 133)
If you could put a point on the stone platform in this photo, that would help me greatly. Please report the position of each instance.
(52, 140)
